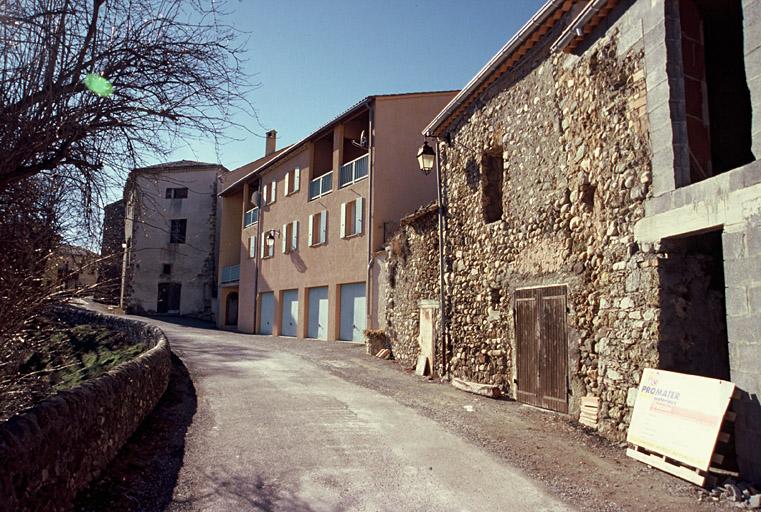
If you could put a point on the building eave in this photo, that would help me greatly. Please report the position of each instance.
(525, 39)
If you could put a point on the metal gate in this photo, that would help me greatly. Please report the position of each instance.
(540, 329)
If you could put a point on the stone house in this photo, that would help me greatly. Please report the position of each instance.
(74, 268)
(170, 233)
(601, 205)
(111, 254)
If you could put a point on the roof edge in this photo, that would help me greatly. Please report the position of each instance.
(433, 128)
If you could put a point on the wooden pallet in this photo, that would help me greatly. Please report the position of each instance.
(674, 467)
(685, 471)
(590, 409)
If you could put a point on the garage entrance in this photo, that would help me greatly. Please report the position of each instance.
(266, 312)
(290, 316)
(542, 351)
(317, 324)
(352, 312)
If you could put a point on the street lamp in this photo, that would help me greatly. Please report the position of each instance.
(426, 158)
(271, 237)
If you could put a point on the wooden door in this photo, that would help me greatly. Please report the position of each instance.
(541, 335)
(168, 300)
(162, 301)
(231, 309)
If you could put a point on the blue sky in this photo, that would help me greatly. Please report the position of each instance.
(314, 59)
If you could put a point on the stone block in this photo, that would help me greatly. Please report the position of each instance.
(743, 271)
(753, 241)
(733, 245)
(737, 301)
(754, 299)
(744, 329)
(753, 57)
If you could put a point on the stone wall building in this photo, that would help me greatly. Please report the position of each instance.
(111, 254)
(601, 208)
(170, 236)
(412, 277)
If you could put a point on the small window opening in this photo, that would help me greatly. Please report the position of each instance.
(492, 168)
(717, 99)
(166, 269)
(495, 296)
(177, 231)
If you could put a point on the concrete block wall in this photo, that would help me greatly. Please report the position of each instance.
(752, 39)
(742, 267)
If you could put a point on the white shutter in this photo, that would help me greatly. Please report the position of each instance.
(283, 237)
(287, 183)
(264, 245)
(264, 196)
(343, 220)
(296, 179)
(358, 216)
(310, 238)
(252, 246)
(323, 226)
(295, 235)
(273, 191)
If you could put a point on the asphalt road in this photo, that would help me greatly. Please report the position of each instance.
(276, 429)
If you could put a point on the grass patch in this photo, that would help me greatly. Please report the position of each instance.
(56, 356)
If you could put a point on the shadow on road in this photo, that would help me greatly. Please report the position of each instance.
(182, 321)
(220, 487)
(143, 475)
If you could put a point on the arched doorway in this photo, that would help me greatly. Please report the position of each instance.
(231, 309)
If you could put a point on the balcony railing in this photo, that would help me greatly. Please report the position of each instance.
(251, 217)
(230, 274)
(321, 185)
(354, 170)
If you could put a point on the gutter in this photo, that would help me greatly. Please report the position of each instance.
(442, 292)
(576, 28)
(370, 230)
(493, 65)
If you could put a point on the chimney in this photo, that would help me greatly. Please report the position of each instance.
(271, 142)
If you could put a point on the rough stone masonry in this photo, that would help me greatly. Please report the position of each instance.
(572, 147)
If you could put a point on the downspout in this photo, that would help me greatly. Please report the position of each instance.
(258, 253)
(371, 172)
(442, 292)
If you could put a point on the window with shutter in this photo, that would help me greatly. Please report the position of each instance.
(312, 230)
(252, 246)
(294, 235)
(352, 218)
(323, 227)
(273, 192)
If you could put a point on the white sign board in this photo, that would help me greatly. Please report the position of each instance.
(679, 415)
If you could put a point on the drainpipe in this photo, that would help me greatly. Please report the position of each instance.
(258, 252)
(442, 292)
(371, 172)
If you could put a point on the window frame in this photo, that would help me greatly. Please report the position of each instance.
(174, 237)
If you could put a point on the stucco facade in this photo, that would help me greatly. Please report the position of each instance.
(375, 142)
(170, 236)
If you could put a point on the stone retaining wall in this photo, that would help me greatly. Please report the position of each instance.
(54, 449)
